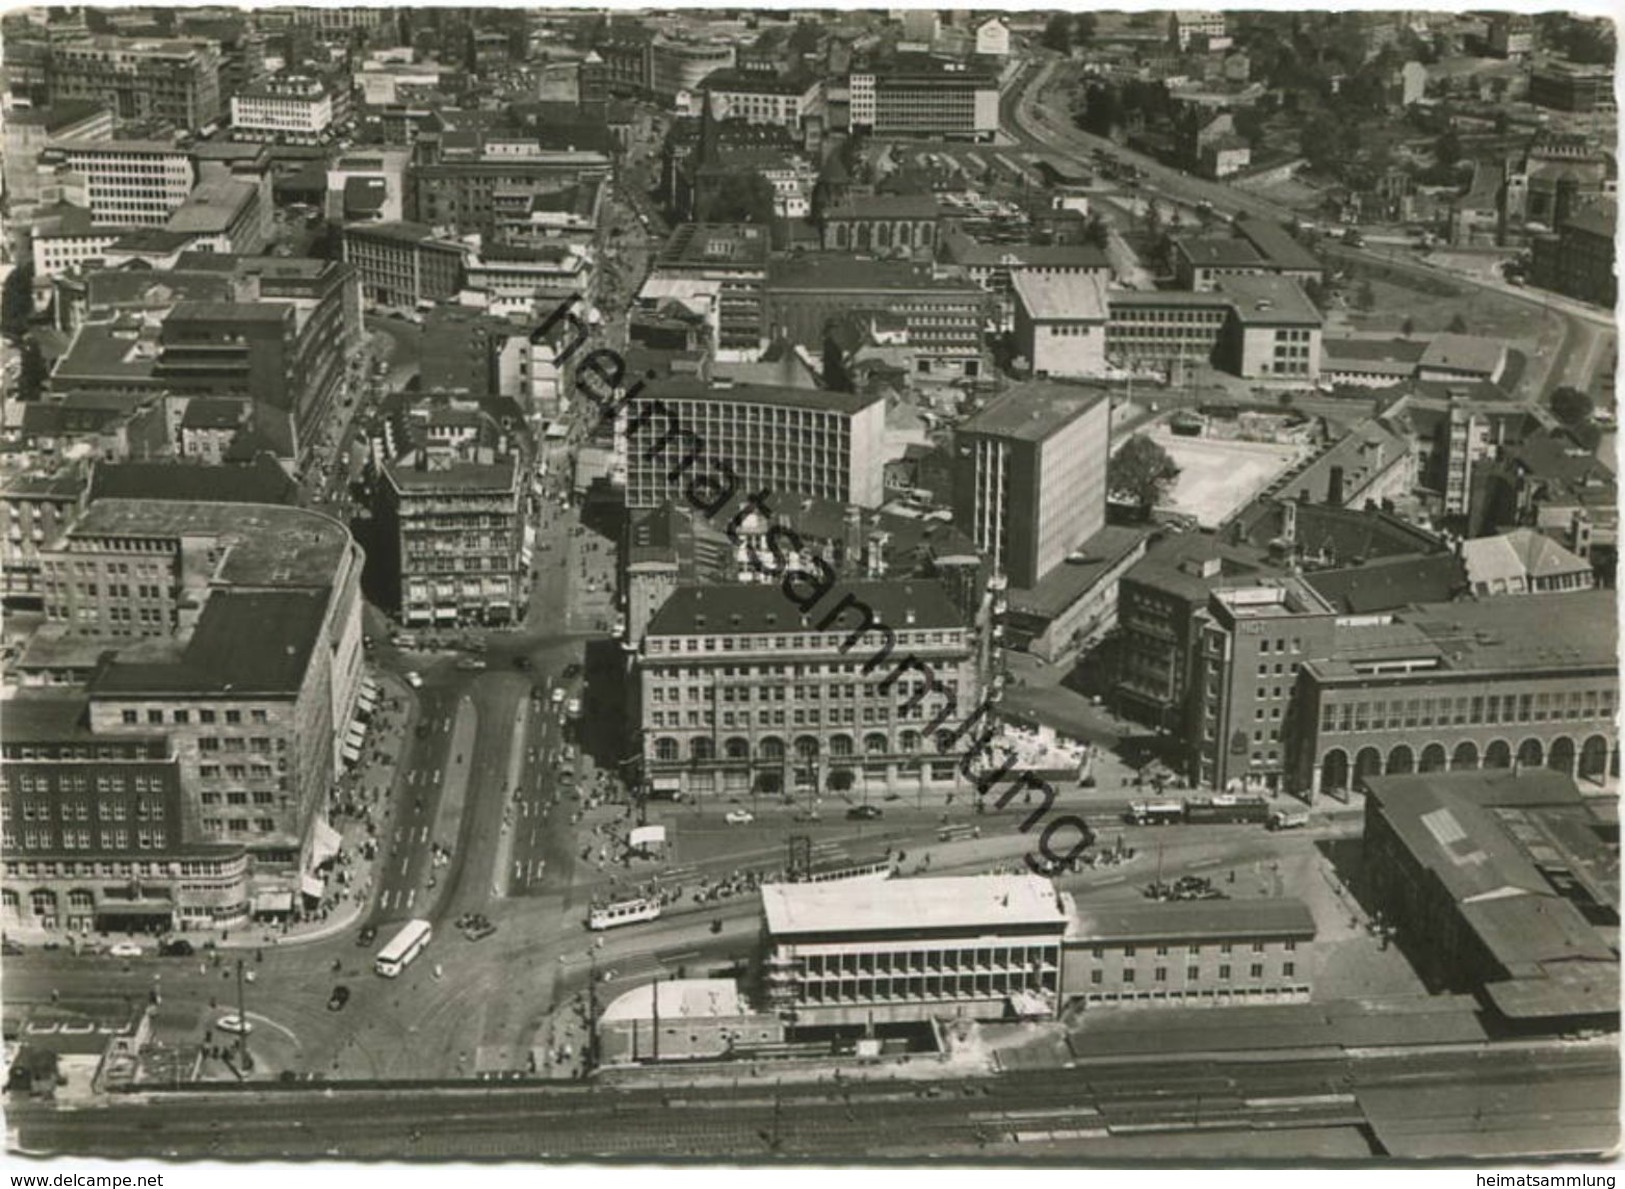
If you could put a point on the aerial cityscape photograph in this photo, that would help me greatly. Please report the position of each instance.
(809, 586)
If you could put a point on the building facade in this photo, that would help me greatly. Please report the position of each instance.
(788, 440)
(742, 693)
(290, 109)
(402, 264)
(1030, 477)
(130, 183)
(171, 81)
(911, 950)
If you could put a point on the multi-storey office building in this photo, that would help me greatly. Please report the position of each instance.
(763, 98)
(131, 183)
(1578, 261)
(679, 66)
(93, 837)
(911, 950)
(402, 264)
(735, 256)
(237, 636)
(292, 109)
(141, 80)
(1528, 682)
(920, 97)
(38, 505)
(788, 440)
(450, 506)
(1030, 476)
(1196, 952)
(740, 691)
(465, 194)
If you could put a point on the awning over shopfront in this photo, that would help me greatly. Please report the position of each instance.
(647, 838)
(272, 902)
(125, 909)
(325, 844)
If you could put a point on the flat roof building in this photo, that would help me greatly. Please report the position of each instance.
(910, 950)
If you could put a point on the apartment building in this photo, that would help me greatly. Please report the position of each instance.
(742, 692)
(449, 498)
(855, 954)
(793, 440)
(467, 193)
(38, 504)
(1030, 476)
(287, 108)
(142, 80)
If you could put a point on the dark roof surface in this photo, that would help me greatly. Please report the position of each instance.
(739, 609)
(259, 482)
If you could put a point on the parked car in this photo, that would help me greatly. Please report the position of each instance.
(863, 813)
(127, 949)
(368, 935)
(414, 680)
(471, 664)
(572, 670)
(176, 947)
(235, 1024)
(339, 997)
(739, 817)
(573, 708)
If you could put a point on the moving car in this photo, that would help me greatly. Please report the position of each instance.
(863, 813)
(339, 997)
(739, 817)
(126, 949)
(471, 664)
(234, 1023)
(558, 694)
(175, 947)
(414, 680)
(369, 934)
(573, 708)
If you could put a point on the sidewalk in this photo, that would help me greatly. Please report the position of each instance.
(368, 791)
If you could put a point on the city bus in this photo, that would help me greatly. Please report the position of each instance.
(403, 947)
(623, 912)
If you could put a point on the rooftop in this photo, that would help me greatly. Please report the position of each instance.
(679, 999)
(1390, 582)
(913, 603)
(887, 206)
(1228, 252)
(1192, 920)
(1520, 554)
(259, 482)
(1034, 411)
(245, 642)
(1276, 245)
(1559, 631)
(848, 273)
(688, 388)
(213, 413)
(1069, 297)
(1065, 584)
(1269, 301)
(212, 207)
(268, 545)
(736, 245)
(973, 903)
(1465, 353)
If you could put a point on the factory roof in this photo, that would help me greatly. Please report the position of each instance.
(973, 903)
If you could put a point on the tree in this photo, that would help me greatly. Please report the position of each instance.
(1141, 473)
(17, 300)
(1571, 406)
(33, 373)
(1083, 28)
(1365, 297)
(1458, 325)
(1447, 149)
(1096, 233)
(1407, 327)
(738, 197)
(1057, 34)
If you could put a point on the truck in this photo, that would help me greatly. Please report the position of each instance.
(1288, 819)
(1225, 810)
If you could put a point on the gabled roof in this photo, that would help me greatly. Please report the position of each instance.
(1522, 554)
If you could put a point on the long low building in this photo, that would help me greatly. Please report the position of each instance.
(912, 950)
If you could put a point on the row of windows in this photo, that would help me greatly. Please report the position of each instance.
(76, 838)
(146, 808)
(1474, 710)
(238, 825)
(829, 640)
(1194, 949)
(204, 715)
(801, 717)
(1192, 973)
(200, 868)
(798, 693)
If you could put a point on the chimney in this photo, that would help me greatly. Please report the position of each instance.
(1334, 488)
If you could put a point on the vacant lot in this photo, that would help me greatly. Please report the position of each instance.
(1217, 478)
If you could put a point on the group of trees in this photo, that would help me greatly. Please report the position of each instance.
(739, 197)
(1108, 107)
(1141, 473)
(1066, 31)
